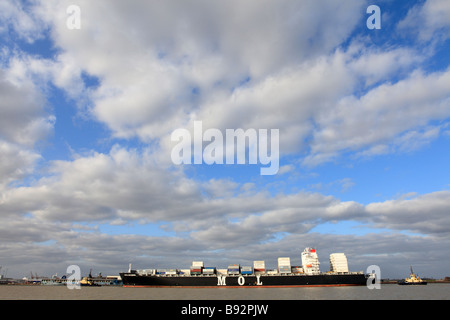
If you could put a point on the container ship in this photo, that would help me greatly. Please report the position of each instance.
(308, 274)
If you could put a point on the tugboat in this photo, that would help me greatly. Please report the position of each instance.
(412, 280)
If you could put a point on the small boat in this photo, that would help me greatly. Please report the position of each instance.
(412, 280)
(88, 282)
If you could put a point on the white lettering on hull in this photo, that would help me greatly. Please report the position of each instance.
(221, 280)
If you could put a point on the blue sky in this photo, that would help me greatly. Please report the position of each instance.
(87, 115)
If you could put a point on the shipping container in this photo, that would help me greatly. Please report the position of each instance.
(338, 262)
(246, 270)
(196, 270)
(185, 272)
(284, 269)
(209, 270)
(296, 269)
(259, 266)
(197, 263)
(222, 271)
(146, 271)
(284, 262)
(234, 269)
(171, 271)
(284, 265)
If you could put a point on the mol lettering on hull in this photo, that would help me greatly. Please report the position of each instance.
(221, 280)
(323, 279)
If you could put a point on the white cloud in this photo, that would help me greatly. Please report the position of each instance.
(125, 186)
(25, 122)
(15, 17)
(427, 214)
(431, 20)
(23, 115)
(286, 169)
(382, 116)
(104, 187)
(156, 76)
(150, 57)
(16, 163)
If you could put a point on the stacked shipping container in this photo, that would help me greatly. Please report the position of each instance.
(234, 269)
(246, 270)
(338, 262)
(310, 265)
(196, 267)
(209, 270)
(259, 266)
(284, 265)
(296, 269)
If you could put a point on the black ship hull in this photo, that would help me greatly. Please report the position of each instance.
(263, 280)
(404, 283)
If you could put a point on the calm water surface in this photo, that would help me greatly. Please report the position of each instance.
(387, 292)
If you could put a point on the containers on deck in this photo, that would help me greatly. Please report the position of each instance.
(259, 266)
(234, 269)
(246, 270)
(338, 262)
(284, 265)
(209, 270)
(310, 265)
(196, 267)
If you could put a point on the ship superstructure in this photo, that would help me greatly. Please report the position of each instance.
(310, 261)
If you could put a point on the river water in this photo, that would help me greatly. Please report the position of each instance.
(225, 303)
(386, 292)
